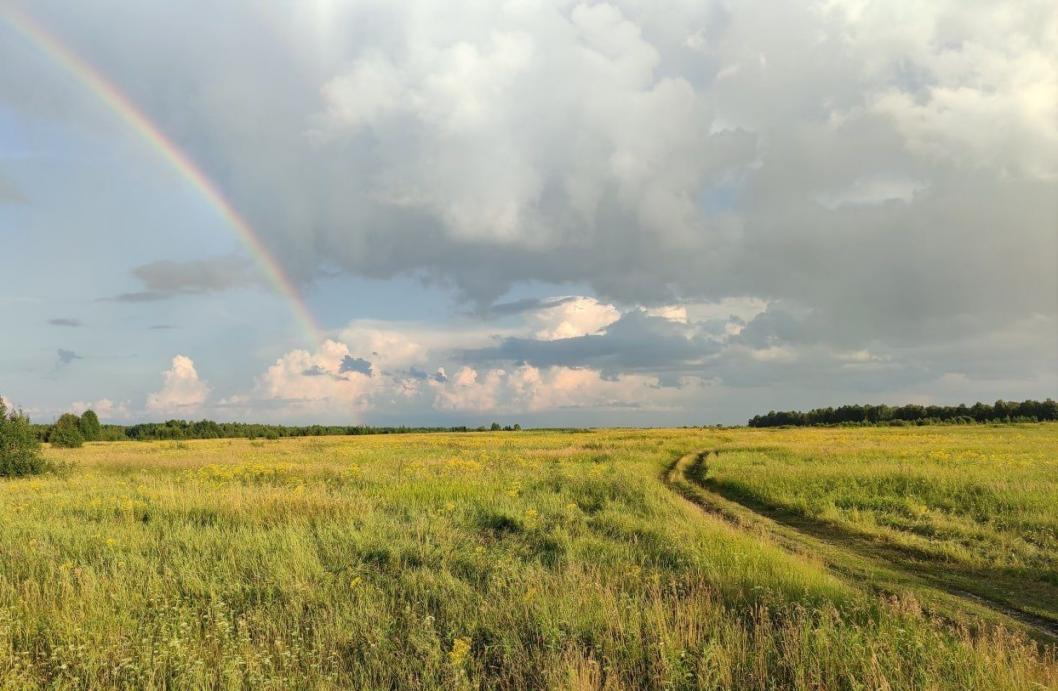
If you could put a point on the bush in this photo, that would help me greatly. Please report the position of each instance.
(19, 448)
(67, 432)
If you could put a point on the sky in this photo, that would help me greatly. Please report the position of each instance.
(551, 213)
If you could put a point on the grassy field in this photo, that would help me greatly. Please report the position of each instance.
(974, 507)
(610, 559)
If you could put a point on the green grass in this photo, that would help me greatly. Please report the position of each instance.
(520, 560)
(976, 507)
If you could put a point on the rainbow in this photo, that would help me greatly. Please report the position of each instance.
(128, 111)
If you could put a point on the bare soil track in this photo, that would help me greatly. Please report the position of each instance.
(863, 560)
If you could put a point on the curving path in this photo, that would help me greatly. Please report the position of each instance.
(861, 559)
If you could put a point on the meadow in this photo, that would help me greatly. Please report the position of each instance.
(808, 558)
(974, 508)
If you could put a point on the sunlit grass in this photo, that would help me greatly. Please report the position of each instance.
(981, 501)
(531, 559)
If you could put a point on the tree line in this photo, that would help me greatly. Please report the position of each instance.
(71, 430)
(20, 440)
(912, 414)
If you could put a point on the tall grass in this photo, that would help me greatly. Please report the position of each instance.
(517, 560)
(980, 501)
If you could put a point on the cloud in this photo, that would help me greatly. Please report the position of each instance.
(440, 376)
(871, 190)
(697, 362)
(331, 381)
(640, 362)
(637, 341)
(140, 296)
(487, 145)
(569, 318)
(516, 307)
(66, 321)
(396, 345)
(303, 382)
(531, 389)
(676, 313)
(66, 357)
(351, 364)
(182, 392)
(653, 155)
(778, 186)
(106, 409)
(166, 278)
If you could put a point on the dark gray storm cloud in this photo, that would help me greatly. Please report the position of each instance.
(653, 154)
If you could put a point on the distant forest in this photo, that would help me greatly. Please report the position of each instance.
(1000, 411)
(70, 425)
(73, 430)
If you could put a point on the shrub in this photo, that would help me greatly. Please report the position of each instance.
(19, 448)
(67, 432)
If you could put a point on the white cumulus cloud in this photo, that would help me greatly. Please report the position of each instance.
(320, 377)
(532, 389)
(574, 317)
(182, 392)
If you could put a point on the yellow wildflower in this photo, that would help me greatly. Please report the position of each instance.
(460, 650)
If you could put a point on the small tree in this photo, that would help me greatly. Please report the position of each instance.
(495, 427)
(89, 425)
(19, 448)
(66, 433)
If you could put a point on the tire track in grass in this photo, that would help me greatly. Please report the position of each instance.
(865, 562)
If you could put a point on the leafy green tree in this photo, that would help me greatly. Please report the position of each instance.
(19, 448)
(495, 427)
(67, 432)
(89, 425)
